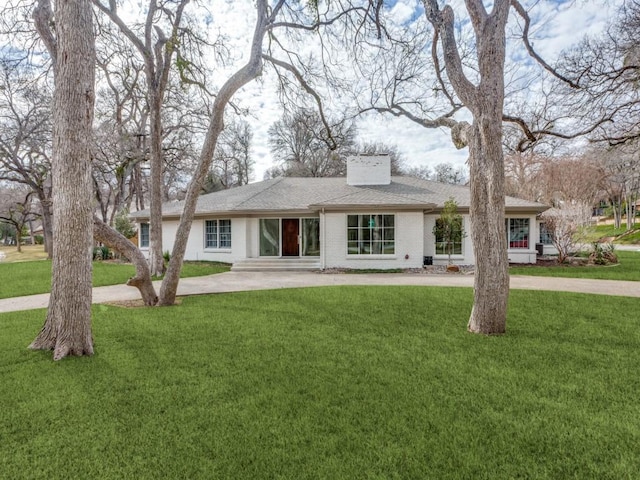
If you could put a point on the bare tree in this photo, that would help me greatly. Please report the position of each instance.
(565, 225)
(158, 49)
(448, 173)
(17, 209)
(466, 73)
(607, 69)
(67, 329)
(397, 159)
(620, 170)
(281, 16)
(25, 136)
(305, 146)
(232, 162)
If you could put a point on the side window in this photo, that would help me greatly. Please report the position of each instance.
(144, 235)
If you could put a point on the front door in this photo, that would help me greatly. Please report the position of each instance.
(290, 237)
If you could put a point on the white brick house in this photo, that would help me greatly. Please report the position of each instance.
(366, 220)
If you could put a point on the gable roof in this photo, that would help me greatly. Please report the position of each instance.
(295, 194)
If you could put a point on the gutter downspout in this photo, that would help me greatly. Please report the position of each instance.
(323, 224)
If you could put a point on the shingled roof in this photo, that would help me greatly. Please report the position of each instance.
(295, 194)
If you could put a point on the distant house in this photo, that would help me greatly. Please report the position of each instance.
(367, 220)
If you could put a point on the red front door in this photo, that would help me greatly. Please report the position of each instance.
(290, 236)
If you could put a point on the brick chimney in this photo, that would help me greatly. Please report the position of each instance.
(369, 169)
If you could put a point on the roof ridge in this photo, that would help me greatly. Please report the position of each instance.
(400, 195)
(260, 191)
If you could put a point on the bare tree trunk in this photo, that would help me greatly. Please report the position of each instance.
(491, 280)
(156, 260)
(485, 100)
(67, 329)
(247, 73)
(121, 244)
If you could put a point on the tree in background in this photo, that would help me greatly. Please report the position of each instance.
(398, 162)
(25, 135)
(17, 210)
(305, 146)
(448, 230)
(449, 173)
(232, 162)
(567, 225)
(158, 45)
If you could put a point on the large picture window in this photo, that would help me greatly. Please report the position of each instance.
(448, 243)
(518, 232)
(217, 234)
(144, 235)
(371, 234)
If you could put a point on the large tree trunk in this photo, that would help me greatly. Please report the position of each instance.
(485, 100)
(121, 244)
(491, 281)
(67, 329)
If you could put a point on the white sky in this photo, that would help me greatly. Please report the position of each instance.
(556, 25)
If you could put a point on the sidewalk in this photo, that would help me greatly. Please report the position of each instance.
(246, 281)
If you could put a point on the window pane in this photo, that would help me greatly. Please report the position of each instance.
(225, 233)
(448, 242)
(545, 235)
(269, 237)
(370, 234)
(144, 235)
(518, 232)
(211, 234)
(311, 237)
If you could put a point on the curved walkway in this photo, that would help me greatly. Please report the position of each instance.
(245, 281)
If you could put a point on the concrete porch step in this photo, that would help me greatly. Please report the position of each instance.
(276, 264)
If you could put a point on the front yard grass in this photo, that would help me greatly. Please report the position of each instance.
(627, 269)
(29, 278)
(334, 382)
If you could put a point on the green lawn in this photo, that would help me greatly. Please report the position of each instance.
(609, 230)
(627, 269)
(335, 383)
(28, 278)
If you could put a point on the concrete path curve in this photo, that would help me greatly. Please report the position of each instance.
(245, 281)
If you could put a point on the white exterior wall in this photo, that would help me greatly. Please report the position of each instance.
(409, 233)
(413, 233)
(467, 257)
(525, 255)
(195, 245)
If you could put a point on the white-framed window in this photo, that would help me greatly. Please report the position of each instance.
(517, 232)
(451, 245)
(217, 234)
(144, 235)
(545, 235)
(371, 234)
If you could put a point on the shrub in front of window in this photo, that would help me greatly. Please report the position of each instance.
(448, 230)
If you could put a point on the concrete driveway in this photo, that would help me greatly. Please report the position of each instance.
(245, 281)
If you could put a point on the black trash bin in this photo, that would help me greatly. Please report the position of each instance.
(540, 249)
(427, 261)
